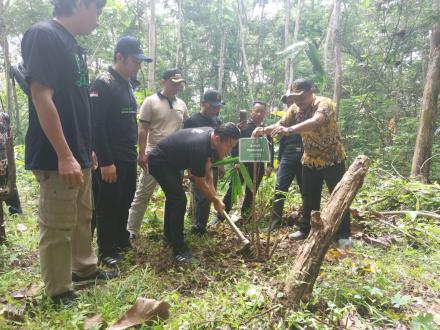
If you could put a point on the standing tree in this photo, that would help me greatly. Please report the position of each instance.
(295, 34)
(287, 6)
(152, 45)
(337, 54)
(421, 163)
(4, 4)
(179, 34)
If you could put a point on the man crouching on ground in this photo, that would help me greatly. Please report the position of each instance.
(189, 149)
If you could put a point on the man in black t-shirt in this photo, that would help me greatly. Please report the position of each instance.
(207, 117)
(59, 144)
(189, 149)
(114, 112)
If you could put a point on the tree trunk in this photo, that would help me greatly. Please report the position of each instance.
(328, 41)
(152, 46)
(421, 162)
(7, 66)
(179, 34)
(337, 55)
(300, 282)
(288, 7)
(221, 63)
(239, 11)
(17, 125)
(295, 34)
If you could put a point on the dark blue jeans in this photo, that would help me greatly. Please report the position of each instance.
(289, 168)
(313, 180)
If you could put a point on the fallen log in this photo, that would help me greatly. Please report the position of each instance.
(300, 281)
(416, 213)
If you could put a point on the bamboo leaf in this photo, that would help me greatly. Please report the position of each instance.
(226, 161)
(246, 176)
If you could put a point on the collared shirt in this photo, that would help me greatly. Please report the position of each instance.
(53, 58)
(322, 147)
(200, 120)
(163, 116)
(186, 149)
(114, 112)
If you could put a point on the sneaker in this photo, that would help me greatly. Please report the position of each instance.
(110, 260)
(65, 299)
(99, 276)
(344, 243)
(183, 257)
(297, 236)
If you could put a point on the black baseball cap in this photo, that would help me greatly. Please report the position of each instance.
(175, 75)
(299, 87)
(131, 46)
(213, 97)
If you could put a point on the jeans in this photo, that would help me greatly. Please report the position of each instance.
(114, 200)
(290, 168)
(170, 180)
(313, 180)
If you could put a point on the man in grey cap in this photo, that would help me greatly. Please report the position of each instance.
(161, 115)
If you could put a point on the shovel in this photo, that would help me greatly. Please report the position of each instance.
(246, 248)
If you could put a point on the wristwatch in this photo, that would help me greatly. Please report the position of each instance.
(290, 130)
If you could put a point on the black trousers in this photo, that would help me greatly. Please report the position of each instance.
(248, 196)
(113, 203)
(312, 181)
(170, 180)
(290, 167)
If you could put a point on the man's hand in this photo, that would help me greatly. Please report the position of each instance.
(258, 131)
(269, 170)
(143, 161)
(70, 171)
(108, 173)
(242, 125)
(280, 130)
(219, 206)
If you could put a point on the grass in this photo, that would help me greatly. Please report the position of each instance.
(381, 288)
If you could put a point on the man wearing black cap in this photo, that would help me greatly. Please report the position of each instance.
(161, 115)
(114, 112)
(289, 156)
(189, 149)
(207, 117)
(324, 155)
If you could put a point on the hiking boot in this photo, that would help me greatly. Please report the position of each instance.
(215, 221)
(344, 243)
(276, 223)
(98, 276)
(110, 260)
(183, 257)
(65, 299)
(297, 236)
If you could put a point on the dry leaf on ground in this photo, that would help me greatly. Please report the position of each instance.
(142, 311)
(93, 322)
(29, 291)
(14, 313)
(435, 311)
(352, 320)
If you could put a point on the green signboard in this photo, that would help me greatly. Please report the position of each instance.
(252, 150)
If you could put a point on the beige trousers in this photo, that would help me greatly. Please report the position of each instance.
(65, 246)
(145, 189)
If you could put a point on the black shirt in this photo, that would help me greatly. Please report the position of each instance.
(200, 120)
(52, 57)
(114, 111)
(186, 149)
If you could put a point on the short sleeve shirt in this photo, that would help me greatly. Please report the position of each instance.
(200, 120)
(163, 116)
(322, 147)
(186, 149)
(53, 58)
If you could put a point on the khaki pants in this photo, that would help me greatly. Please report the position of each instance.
(144, 191)
(65, 246)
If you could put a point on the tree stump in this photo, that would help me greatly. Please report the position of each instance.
(299, 284)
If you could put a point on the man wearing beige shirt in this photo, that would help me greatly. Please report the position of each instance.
(161, 115)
